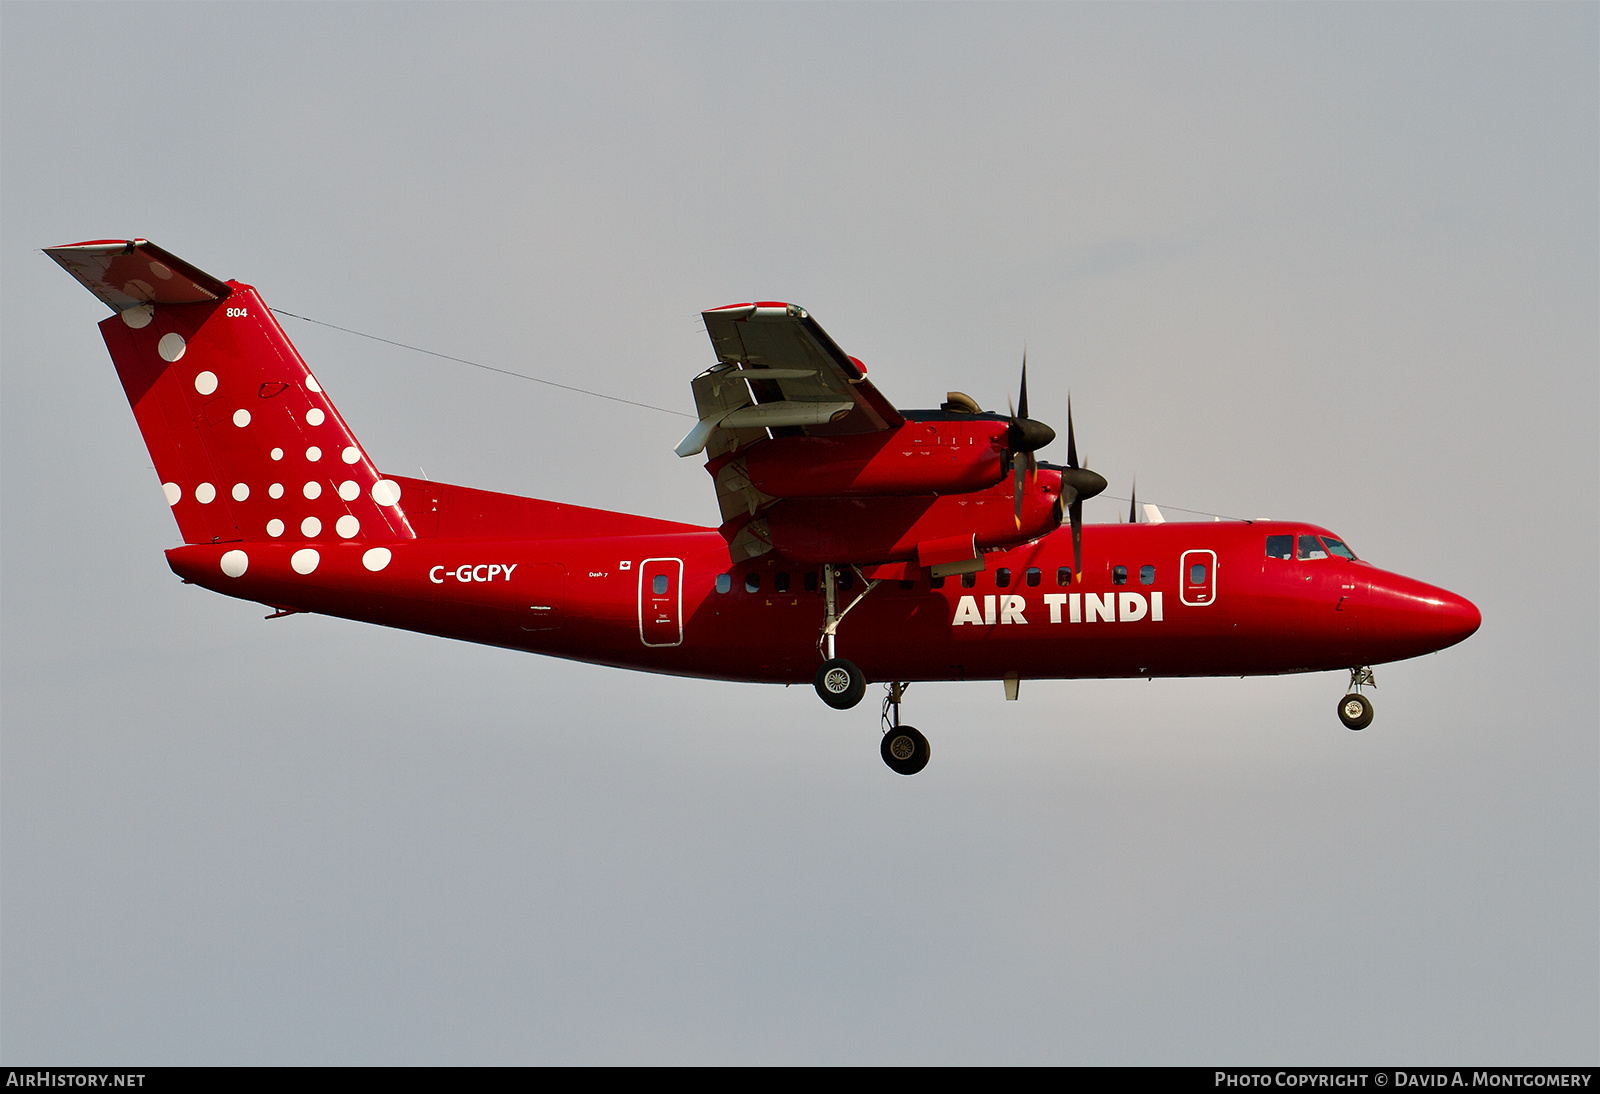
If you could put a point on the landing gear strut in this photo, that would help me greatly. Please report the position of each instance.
(832, 617)
(1355, 709)
(903, 749)
(838, 681)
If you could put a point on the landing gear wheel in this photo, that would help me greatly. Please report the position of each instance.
(1355, 711)
(840, 683)
(904, 750)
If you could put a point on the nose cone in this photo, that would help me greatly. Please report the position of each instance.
(1407, 618)
(1458, 618)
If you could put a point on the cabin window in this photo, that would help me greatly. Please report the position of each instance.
(937, 582)
(724, 582)
(969, 580)
(658, 584)
(1280, 546)
(1338, 548)
(1311, 547)
(1034, 577)
(781, 582)
(752, 583)
(1064, 576)
(1002, 578)
(811, 581)
(1119, 575)
(1197, 574)
(1147, 575)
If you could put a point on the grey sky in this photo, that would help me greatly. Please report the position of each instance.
(1327, 262)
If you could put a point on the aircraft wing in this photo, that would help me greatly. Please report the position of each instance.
(778, 369)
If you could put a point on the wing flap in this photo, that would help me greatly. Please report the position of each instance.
(777, 368)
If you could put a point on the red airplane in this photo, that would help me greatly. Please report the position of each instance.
(927, 545)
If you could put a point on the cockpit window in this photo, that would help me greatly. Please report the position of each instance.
(1280, 546)
(1338, 548)
(1311, 547)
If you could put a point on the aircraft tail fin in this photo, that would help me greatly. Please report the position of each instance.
(247, 444)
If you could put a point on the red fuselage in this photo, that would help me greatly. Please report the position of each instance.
(1174, 599)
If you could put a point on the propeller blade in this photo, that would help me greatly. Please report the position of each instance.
(1022, 399)
(1024, 434)
(1075, 513)
(1018, 469)
(1077, 484)
(1072, 442)
(1133, 502)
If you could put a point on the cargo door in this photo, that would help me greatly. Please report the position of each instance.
(661, 601)
(543, 587)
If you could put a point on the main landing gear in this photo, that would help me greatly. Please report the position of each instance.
(903, 749)
(1355, 709)
(838, 682)
(841, 684)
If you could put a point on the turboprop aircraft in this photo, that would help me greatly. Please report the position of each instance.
(859, 542)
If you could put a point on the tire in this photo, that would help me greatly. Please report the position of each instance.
(840, 684)
(1355, 711)
(904, 750)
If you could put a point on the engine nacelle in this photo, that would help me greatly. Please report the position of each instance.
(891, 529)
(947, 456)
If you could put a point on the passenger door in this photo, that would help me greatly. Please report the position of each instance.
(661, 601)
(1197, 578)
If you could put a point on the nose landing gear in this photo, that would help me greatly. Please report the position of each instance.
(903, 749)
(1355, 709)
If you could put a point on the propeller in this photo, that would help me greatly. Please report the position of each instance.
(1077, 483)
(1133, 504)
(1024, 437)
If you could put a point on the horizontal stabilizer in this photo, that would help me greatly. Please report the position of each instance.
(125, 273)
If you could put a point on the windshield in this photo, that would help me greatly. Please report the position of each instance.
(1337, 547)
(1305, 547)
